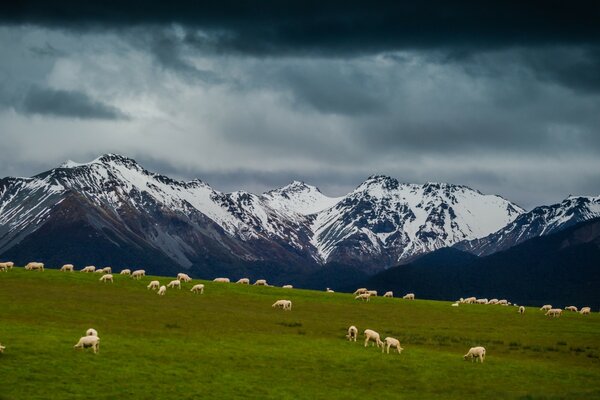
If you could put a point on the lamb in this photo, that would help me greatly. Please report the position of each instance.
(137, 274)
(286, 305)
(409, 296)
(162, 290)
(35, 266)
(67, 268)
(260, 282)
(391, 342)
(585, 310)
(153, 285)
(521, 310)
(287, 287)
(328, 290)
(89, 341)
(475, 353)
(222, 280)
(198, 288)
(374, 336)
(107, 278)
(91, 332)
(571, 308)
(546, 307)
(389, 294)
(363, 297)
(89, 268)
(360, 291)
(174, 283)
(126, 271)
(244, 281)
(3, 267)
(183, 277)
(107, 270)
(352, 333)
(554, 312)
(481, 301)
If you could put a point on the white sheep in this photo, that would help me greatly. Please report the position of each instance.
(67, 268)
(360, 291)
(89, 268)
(503, 302)
(221, 280)
(174, 283)
(183, 277)
(455, 304)
(546, 307)
(372, 292)
(409, 296)
(328, 290)
(162, 290)
(2, 348)
(126, 271)
(585, 310)
(374, 336)
(138, 273)
(287, 287)
(107, 278)
(284, 304)
(554, 312)
(521, 310)
(198, 288)
(493, 301)
(475, 353)
(352, 333)
(91, 332)
(571, 308)
(481, 301)
(3, 268)
(89, 341)
(388, 294)
(470, 300)
(153, 285)
(391, 342)
(99, 271)
(260, 282)
(34, 266)
(244, 281)
(363, 297)
(8, 264)
(107, 270)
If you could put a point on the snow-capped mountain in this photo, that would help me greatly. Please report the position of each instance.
(540, 221)
(114, 211)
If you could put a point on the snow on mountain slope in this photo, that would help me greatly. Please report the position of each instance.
(540, 221)
(299, 198)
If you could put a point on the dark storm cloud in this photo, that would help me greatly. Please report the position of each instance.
(47, 50)
(66, 103)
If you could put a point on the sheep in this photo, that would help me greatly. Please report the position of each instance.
(493, 301)
(107, 270)
(222, 280)
(67, 268)
(286, 305)
(571, 308)
(137, 274)
(99, 271)
(243, 281)
(503, 302)
(2, 348)
(372, 292)
(475, 353)
(521, 310)
(546, 307)
(174, 283)
(372, 335)
(287, 287)
(409, 296)
(352, 333)
(363, 297)
(481, 301)
(198, 288)
(585, 310)
(3, 267)
(389, 294)
(91, 332)
(554, 312)
(107, 278)
(260, 282)
(328, 290)
(360, 291)
(162, 290)
(391, 342)
(183, 277)
(89, 341)
(455, 304)
(8, 264)
(153, 285)
(470, 300)
(89, 268)
(126, 271)
(34, 266)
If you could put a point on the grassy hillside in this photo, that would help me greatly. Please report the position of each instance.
(230, 343)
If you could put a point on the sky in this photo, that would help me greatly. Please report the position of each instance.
(503, 96)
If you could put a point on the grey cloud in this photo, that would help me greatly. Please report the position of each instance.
(47, 50)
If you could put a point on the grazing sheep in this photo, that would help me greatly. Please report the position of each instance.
(571, 308)
(91, 332)
(554, 312)
(352, 333)
(3, 268)
(409, 296)
(585, 310)
(107, 270)
(389, 294)
(35, 266)
(99, 271)
(198, 288)
(162, 290)
(372, 292)
(67, 268)
(153, 285)
(521, 310)
(363, 297)
(2, 348)
(260, 282)
(475, 353)
(493, 301)
(222, 280)
(455, 304)
(546, 307)
(138, 273)
(374, 336)
(328, 290)
(481, 301)
(89, 268)
(8, 264)
(183, 277)
(126, 271)
(284, 304)
(287, 287)
(391, 342)
(244, 281)
(89, 341)
(503, 302)
(360, 291)
(470, 300)
(174, 283)
(107, 278)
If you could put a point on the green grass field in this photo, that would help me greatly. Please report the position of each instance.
(230, 344)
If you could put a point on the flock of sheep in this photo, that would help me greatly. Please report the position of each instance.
(91, 339)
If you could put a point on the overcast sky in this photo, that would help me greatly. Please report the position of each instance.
(503, 98)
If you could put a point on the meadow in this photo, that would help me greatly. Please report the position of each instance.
(230, 344)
